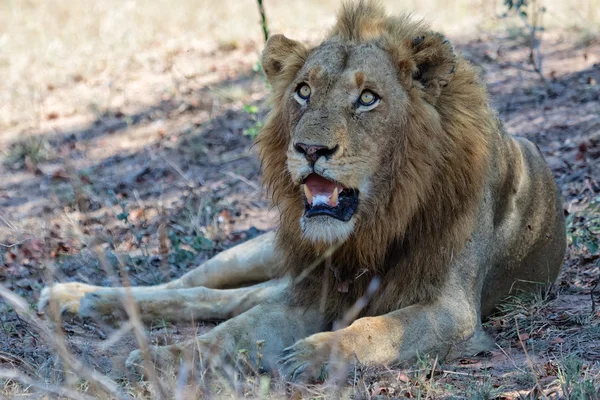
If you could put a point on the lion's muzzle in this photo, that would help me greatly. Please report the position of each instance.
(325, 197)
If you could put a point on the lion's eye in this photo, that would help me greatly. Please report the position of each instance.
(367, 98)
(303, 91)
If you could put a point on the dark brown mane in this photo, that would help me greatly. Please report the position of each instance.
(424, 197)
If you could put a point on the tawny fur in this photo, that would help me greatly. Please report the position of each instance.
(426, 188)
(453, 215)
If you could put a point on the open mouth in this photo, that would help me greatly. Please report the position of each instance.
(325, 197)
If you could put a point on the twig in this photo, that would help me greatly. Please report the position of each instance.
(10, 246)
(243, 179)
(510, 358)
(444, 371)
(431, 378)
(59, 333)
(529, 362)
(133, 313)
(592, 295)
(179, 171)
(263, 19)
(535, 55)
(8, 223)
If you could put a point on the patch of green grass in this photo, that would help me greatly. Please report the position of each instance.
(184, 248)
(31, 150)
(522, 309)
(484, 390)
(575, 381)
(583, 228)
(257, 125)
(426, 367)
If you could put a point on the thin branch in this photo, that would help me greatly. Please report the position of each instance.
(529, 362)
(535, 54)
(263, 19)
(592, 296)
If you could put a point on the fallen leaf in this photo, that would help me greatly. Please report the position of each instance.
(60, 175)
(163, 238)
(61, 248)
(402, 377)
(523, 336)
(137, 214)
(225, 216)
(32, 166)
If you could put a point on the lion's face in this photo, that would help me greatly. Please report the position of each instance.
(342, 107)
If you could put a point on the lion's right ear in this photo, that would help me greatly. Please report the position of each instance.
(282, 56)
(435, 61)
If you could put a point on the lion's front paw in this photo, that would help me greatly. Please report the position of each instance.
(66, 296)
(312, 358)
(163, 358)
(105, 305)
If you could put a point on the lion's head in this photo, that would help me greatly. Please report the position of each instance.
(375, 140)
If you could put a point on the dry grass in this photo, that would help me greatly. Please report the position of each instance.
(172, 80)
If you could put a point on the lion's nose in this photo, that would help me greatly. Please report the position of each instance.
(312, 152)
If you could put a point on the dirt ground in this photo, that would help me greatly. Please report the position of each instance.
(162, 175)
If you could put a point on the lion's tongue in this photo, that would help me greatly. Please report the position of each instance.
(319, 190)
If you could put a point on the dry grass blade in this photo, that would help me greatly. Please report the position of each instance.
(138, 330)
(529, 361)
(326, 254)
(17, 376)
(22, 308)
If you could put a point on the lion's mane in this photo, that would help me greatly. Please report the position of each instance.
(425, 197)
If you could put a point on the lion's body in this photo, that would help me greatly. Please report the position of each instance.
(453, 213)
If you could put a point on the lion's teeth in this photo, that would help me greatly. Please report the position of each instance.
(319, 199)
(308, 194)
(334, 197)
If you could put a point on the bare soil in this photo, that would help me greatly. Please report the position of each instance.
(168, 178)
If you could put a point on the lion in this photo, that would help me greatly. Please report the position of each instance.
(407, 213)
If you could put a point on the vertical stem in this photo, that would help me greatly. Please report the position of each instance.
(263, 19)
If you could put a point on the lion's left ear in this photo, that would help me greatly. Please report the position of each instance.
(435, 60)
(282, 55)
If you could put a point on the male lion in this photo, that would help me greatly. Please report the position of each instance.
(407, 212)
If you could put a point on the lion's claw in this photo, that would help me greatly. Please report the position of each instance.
(303, 362)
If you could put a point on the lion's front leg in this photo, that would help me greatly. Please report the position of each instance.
(251, 261)
(398, 336)
(176, 305)
(267, 328)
